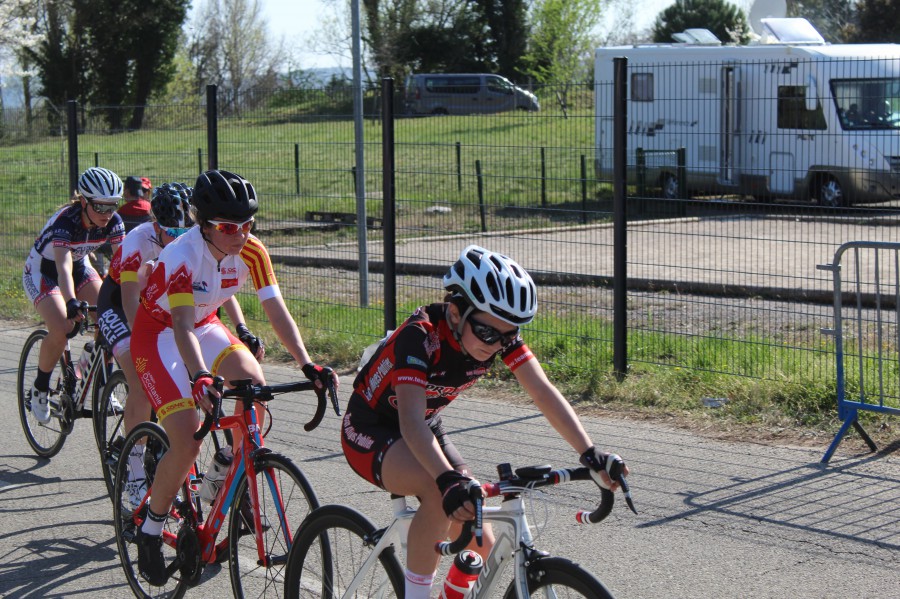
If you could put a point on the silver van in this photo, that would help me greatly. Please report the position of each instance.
(465, 93)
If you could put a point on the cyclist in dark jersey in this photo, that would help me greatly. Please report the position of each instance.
(392, 434)
(58, 277)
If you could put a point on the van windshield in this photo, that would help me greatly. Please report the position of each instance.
(867, 103)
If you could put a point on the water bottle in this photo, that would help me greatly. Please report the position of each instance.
(83, 366)
(462, 575)
(214, 476)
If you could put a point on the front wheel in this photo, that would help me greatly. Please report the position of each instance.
(329, 551)
(560, 578)
(830, 193)
(285, 500)
(109, 425)
(130, 490)
(45, 439)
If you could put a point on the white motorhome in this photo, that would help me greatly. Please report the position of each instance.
(790, 118)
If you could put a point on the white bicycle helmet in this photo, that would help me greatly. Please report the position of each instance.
(493, 283)
(100, 184)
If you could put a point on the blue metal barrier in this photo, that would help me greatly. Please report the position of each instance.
(866, 333)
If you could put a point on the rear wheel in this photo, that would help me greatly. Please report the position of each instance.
(109, 425)
(127, 498)
(285, 500)
(559, 577)
(328, 553)
(45, 439)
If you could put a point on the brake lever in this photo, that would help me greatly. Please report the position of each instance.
(616, 472)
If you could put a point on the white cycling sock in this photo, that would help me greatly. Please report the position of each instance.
(418, 586)
(136, 463)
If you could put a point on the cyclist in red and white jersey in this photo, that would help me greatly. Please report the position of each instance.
(119, 298)
(392, 434)
(58, 276)
(178, 342)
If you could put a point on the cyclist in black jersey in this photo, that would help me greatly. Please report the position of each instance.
(392, 434)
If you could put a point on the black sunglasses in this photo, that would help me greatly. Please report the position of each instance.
(489, 335)
(103, 208)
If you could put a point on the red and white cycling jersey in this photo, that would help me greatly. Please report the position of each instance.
(141, 245)
(187, 274)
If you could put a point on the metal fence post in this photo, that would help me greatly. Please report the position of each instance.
(72, 124)
(212, 127)
(390, 223)
(620, 222)
(480, 180)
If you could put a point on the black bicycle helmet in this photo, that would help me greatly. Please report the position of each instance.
(221, 194)
(170, 206)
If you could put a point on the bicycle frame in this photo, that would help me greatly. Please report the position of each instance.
(512, 537)
(244, 458)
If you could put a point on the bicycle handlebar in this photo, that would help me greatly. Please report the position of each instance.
(82, 324)
(213, 415)
(532, 477)
(247, 391)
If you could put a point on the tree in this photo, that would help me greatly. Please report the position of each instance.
(17, 37)
(94, 51)
(834, 19)
(560, 47)
(877, 21)
(507, 34)
(725, 20)
(230, 48)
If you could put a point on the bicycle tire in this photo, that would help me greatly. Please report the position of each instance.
(156, 444)
(109, 428)
(566, 578)
(328, 552)
(248, 577)
(46, 440)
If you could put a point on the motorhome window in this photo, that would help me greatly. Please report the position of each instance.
(867, 103)
(453, 85)
(792, 112)
(642, 87)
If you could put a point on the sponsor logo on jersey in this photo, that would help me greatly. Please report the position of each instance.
(377, 376)
(226, 283)
(200, 286)
(416, 361)
(140, 365)
(432, 343)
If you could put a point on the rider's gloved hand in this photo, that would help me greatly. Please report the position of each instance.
(606, 468)
(314, 372)
(200, 384)
(253, 343)
(75, 308)
(454, 487)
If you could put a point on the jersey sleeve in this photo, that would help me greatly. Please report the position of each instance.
(412, 356)
(256, 257)
(179, 287)
(516, 354)
(116, 229)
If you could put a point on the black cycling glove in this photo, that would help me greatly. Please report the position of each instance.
(74, 307)
(314, 372)
(454, 488)
(252, 342)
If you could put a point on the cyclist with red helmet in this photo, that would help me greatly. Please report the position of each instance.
(58, 276)
(392, 434)
(178, 342)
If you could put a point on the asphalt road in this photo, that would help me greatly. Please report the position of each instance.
(717, 519)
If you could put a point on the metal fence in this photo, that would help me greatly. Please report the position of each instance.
(866, 278)
(717, 282)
